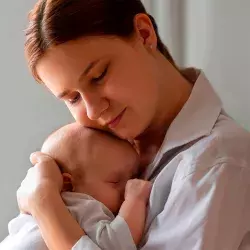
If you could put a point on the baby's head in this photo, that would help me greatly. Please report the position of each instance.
(99, 163)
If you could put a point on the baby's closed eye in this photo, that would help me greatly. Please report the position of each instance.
(115, 177)
(114, 182)
(117, 182)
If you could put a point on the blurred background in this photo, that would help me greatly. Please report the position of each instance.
(213, 35)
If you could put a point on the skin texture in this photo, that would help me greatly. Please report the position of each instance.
(99, 164)
(129, 77)
(139, 81)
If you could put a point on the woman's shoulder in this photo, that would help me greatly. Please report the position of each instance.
(228, 143)
(229, 139)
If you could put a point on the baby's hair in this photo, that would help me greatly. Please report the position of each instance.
(68, 136)
(63, 137)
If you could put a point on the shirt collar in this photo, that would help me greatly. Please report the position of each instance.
(197, 117)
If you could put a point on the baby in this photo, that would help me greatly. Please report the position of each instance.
(98, 171)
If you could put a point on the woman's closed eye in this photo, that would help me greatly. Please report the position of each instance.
(97, 80)
(74, 99)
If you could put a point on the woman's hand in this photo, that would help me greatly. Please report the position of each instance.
(42, 179)
(40, 196)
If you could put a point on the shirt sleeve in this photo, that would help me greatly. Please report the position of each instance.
(208, 209)
(85, 243)
(24, 234)
(114, 235)
(103, 230)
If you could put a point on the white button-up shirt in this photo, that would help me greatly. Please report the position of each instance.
(200, 198)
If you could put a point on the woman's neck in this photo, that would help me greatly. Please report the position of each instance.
(174, 96)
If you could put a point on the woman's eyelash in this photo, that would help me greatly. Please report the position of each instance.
(99, 78)
(75, 99)
(94, 80)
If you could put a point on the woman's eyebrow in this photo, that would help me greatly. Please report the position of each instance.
(64, 93)
(88, 68)
(85, 72)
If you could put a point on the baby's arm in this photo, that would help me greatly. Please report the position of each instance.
(105, 231)
(133, 209)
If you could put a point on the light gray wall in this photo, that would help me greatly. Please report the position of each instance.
(28, 112)
(218, 40)
(169, 15)
(213, 35)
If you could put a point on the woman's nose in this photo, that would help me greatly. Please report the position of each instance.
(95, 106)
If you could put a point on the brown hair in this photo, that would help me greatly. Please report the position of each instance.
(53, 22)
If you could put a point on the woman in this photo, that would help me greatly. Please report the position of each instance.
(106, 61)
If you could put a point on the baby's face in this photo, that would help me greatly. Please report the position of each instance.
(110, 163)
(104, 163)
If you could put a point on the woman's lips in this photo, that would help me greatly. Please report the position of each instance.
(114, 123)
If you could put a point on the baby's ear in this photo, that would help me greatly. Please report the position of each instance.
(67, 183)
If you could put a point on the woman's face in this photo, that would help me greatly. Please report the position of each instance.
(106, 82)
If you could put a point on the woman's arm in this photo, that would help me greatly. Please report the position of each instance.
(40, 196)
(57, 226)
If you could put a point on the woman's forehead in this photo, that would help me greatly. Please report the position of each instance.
(92, 48)
(75, 56)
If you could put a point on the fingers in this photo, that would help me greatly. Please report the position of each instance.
(39, 157)
(67, 183)
(138, 189)
(138, 183)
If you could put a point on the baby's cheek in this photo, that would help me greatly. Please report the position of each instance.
(113, 201)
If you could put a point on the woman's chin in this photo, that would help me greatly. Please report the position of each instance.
(126, 134)
(121, 135)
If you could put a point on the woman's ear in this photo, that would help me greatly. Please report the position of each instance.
(145, 30)
(67, 183)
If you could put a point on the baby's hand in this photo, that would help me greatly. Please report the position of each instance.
(138, 190)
